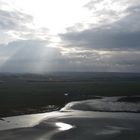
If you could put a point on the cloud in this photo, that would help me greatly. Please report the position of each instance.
(113, 43)
(119, 35)
(103, 39)
(109, 44)
(13, 20)
(15, 25)
(27, 56)
(35, 56)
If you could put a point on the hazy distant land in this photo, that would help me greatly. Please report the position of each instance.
(32, 93)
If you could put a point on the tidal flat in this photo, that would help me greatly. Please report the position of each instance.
(77, 121)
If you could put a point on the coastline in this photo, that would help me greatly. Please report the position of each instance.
(72, 124)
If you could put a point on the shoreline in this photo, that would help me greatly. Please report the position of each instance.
(74, 124)
(51, 108)
(75, 121)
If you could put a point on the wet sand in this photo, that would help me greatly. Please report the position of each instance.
(72, 124)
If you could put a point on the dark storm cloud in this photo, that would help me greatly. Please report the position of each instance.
(120, 35)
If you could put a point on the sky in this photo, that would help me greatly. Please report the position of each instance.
(40, 36)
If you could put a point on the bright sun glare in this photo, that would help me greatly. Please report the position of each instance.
(52, 14)
(63, 126)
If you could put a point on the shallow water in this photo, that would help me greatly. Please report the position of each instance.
(76, 121)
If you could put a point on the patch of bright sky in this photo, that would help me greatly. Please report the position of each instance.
(59, 15)
(56, 15)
